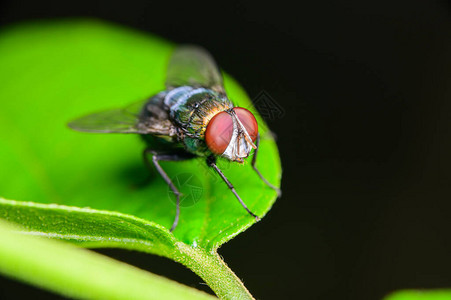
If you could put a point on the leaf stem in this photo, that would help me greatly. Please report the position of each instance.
(78, 273)
(211, 268)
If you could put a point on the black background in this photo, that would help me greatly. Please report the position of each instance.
(364, 141)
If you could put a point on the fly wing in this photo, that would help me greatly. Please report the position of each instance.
(131, 119)
(193, 66)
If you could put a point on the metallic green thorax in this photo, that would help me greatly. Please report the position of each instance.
(190, 110)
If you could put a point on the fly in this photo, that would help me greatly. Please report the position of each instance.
(192, 118)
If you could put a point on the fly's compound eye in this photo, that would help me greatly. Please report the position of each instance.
(248, 120)
(219, 132)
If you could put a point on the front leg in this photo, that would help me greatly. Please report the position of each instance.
(211, 161)
(254, 160)
(157, 156)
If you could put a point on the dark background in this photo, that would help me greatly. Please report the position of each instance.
(364, 140)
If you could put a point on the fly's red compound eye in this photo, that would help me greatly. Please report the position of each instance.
(219, 132)
(248, 120)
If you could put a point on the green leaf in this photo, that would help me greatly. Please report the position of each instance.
(86, 274)
(90, 185)
(93, 228)
(57, 71)
(444, 294)
(88, 227)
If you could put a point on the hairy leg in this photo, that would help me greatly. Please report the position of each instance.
(158, 156)
(254, 160)
(211, 161)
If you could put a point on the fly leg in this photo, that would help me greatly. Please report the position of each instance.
(156, 157)
(254, 160)
(211, 161)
